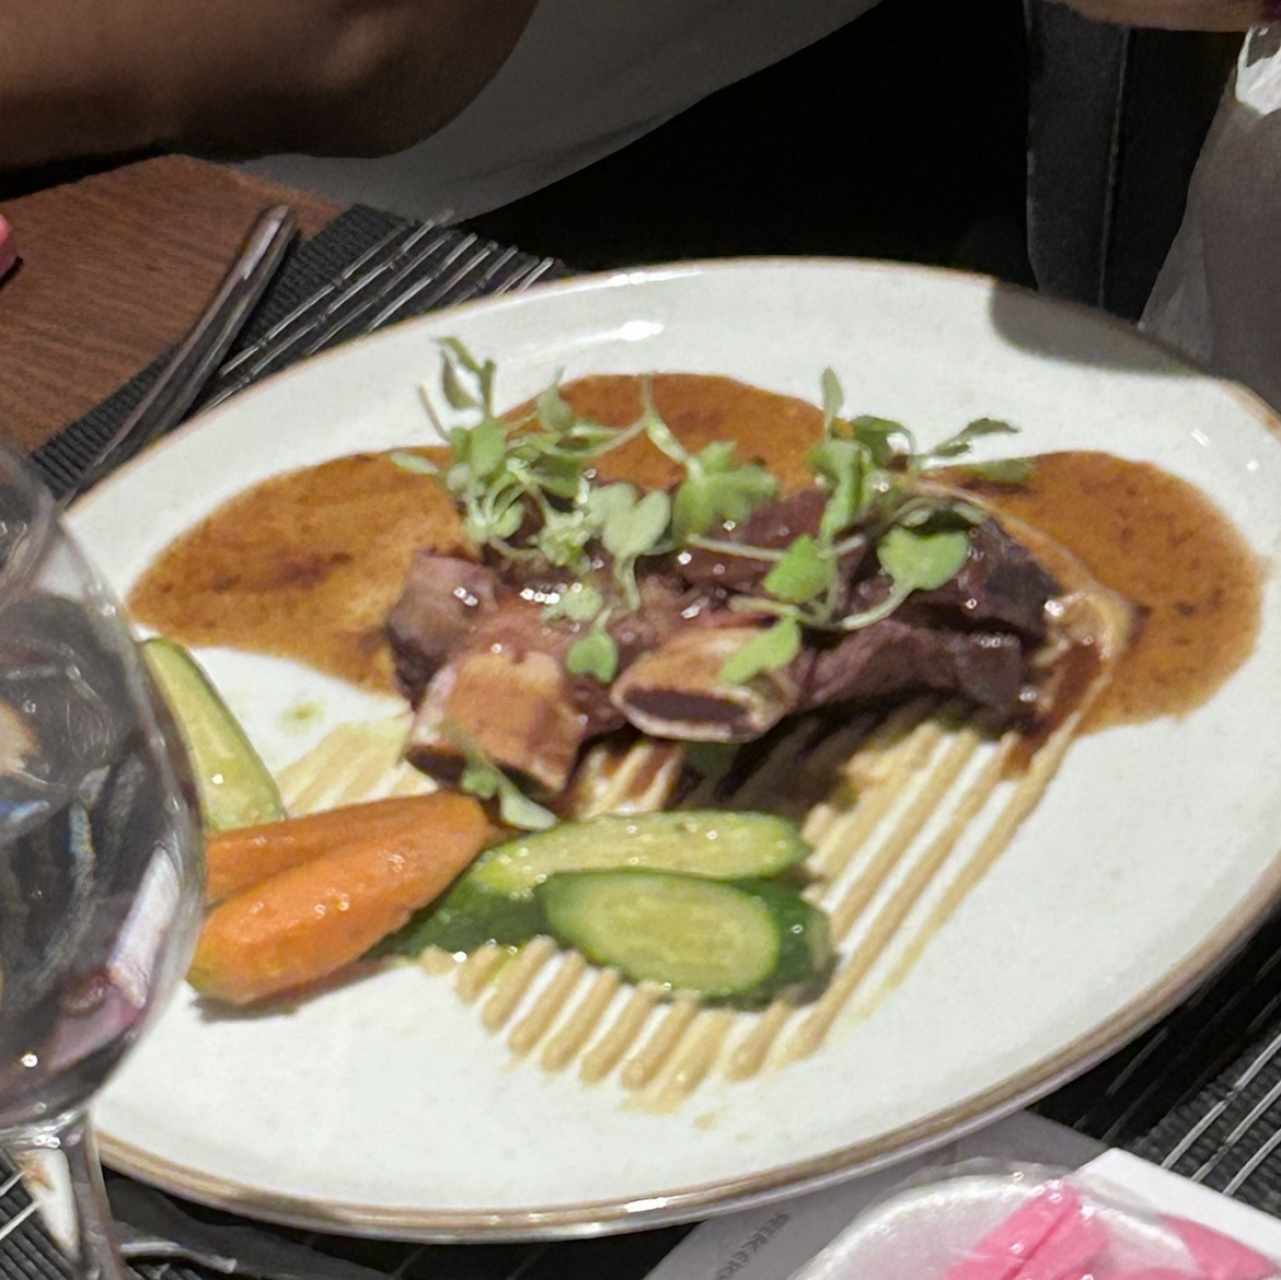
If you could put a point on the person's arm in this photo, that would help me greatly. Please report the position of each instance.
(242, 77)
(1182, 15)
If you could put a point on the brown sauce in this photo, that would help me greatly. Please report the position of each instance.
(307, 565)
(771, 429)
(1161, 544)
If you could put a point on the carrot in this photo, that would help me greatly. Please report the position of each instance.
(245, 856)
(311, 920)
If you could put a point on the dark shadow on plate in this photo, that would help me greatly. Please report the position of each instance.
(1075, 334)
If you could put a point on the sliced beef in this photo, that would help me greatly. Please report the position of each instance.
(893, 656)
(999, 587)
(442, 601)
(500, 677)
(516, 708)
(515, 628)
(676, 691)
(999, 584)
(666, 606)
(475, 653)
(772, 525)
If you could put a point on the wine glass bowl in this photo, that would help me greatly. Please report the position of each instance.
(100, 855)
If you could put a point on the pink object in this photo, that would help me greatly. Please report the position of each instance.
(994, 1221)
(1218, 1256)
(1057, 1237)
(8, 252)
(1005, 1251)
(1070, 1249)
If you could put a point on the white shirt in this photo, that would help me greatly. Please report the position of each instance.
(586, 78)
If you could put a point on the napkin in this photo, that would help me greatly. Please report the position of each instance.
(1218, 296)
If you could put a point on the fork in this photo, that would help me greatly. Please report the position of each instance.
(428, 264)
(205, 345)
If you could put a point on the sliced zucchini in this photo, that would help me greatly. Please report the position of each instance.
(722, 846)
(723, 940)
(494, 901)
(467, 917)
(236, 789)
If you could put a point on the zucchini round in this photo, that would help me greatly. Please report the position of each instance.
(721, 940)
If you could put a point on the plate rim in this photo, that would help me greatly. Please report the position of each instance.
(683, 1204)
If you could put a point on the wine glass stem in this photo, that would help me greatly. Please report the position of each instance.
(99, 1259)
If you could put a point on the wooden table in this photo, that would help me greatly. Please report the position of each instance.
(114, 269)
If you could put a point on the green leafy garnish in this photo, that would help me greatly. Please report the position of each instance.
(842, 464)
(875, 435)
(833, 399)
(633, 529)
(1007, 471)
(456, 357)
(718, 489)
(407, 461)
(553, 411)
(486, 444)
(634, 526)
(960, 443)
(528, 490)
(802, 574)
(594, 654)
(659, 433)
(607, 501)
(922, 559)
(578, 603)
(482, 778)
(768, 650)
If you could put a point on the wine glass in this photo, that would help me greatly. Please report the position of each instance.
(100, 855)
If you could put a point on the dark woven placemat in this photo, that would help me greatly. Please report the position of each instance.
(1200, 1092)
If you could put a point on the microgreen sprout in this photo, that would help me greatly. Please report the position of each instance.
(528, 490)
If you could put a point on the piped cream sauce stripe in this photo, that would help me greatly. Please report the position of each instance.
(437, 962)
(475, 972)
(551, 1000)
(608, 1051)
(645, 1064)
(936, 786)
(1044, 765)
(751, 1056)
(352, 763)
(698, 1053)
(685, 1043)
(313, 775)
(411, 783)
(878, 759)
(880, 785)
(889, 919)
(563, 1047)
(514, 982)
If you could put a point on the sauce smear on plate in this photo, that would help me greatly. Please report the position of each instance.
(307, 565)
(1161, 544)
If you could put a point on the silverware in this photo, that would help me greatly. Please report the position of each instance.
(323, 305)
(430, 264)
(204, 347)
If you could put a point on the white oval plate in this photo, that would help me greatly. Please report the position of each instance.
(384, 1108)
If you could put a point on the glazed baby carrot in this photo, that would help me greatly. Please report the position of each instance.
(237, 859)
(311, 920)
